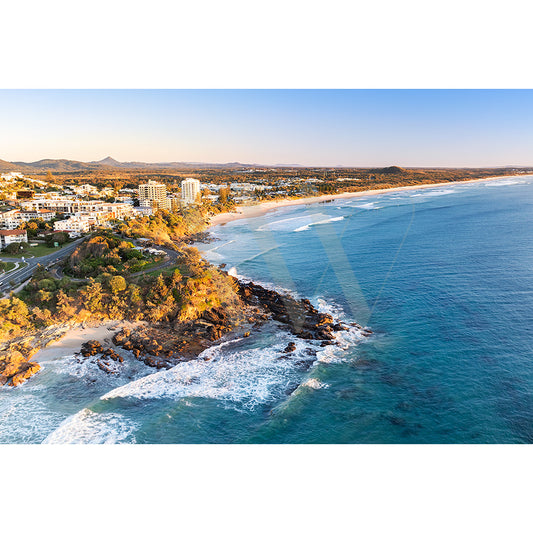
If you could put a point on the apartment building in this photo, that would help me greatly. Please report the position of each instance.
(77, 224)
(190, 189)
(154, 195)
(13, 218)
(116, 210)
(9, 236)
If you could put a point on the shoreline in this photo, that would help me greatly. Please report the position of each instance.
(252, 211)
(74, 337)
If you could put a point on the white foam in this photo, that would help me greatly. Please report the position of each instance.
(260, 254)
(24, 418)
(345, 339)
(88, 427)
(284, 224)
(211, 255)
(220, 246)
(368, 206)
(242, 378)
(503, 183)
(314, 383)
(441, 192)
(327, 221)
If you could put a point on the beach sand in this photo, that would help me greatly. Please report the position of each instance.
(71, 342)
(249, 211)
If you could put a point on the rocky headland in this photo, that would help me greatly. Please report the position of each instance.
(164, 344)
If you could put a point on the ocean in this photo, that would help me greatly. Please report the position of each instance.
(444, 278)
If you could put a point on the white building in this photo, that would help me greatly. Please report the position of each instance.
(190, 189)
(77, 224)
(14, 218)
(115, 210)
(86, 188)
(8, 236)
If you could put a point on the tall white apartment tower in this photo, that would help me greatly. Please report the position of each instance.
(190, 188)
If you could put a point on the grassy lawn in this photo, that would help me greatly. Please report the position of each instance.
(42, 249)
(36, 251)
(6, 266)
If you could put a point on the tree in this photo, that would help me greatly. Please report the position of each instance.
(223, 194)
(117, 284)
(92, 296)
(60, 237)
(16, 247)
(65, 305)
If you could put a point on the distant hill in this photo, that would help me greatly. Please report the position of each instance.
(67, 165)
(6, 166)
(390, 170)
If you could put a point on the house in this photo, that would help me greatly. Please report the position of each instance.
(9, 236)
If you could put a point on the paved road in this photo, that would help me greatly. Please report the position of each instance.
(22, 274)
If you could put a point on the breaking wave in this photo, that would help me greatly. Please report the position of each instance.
(88, 427)
(242, 378)
(327, 221)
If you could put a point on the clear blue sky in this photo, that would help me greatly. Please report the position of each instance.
(308, 127)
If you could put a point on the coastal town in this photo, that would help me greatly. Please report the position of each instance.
(75, 253)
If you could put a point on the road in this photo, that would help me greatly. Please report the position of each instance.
(22, 274)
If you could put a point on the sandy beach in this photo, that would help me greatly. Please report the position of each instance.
(249, 211)
(71, 342)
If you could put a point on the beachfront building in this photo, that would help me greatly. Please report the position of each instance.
(9, 236)
(190, 189)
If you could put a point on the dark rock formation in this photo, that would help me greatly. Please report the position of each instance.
(164, 345)
(103, 356)
(291, 347)
(302, 319)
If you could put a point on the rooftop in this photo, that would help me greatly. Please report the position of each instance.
(6, 232)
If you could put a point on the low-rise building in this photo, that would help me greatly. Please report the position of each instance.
(14, 218)
(9, 236)
(77, 224)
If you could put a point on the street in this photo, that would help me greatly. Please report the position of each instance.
(22, 274)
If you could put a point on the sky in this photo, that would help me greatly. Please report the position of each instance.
(307, 127)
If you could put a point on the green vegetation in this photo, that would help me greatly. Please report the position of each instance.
(16, 248)
(166, 228)
(13, 250)
(61, 237)
(106, 253)
(5, 266)
(179, 294)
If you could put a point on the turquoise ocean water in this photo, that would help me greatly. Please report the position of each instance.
(443, 276)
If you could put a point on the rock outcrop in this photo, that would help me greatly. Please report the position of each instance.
(302, 319)
(103, 356)
(16, 368)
